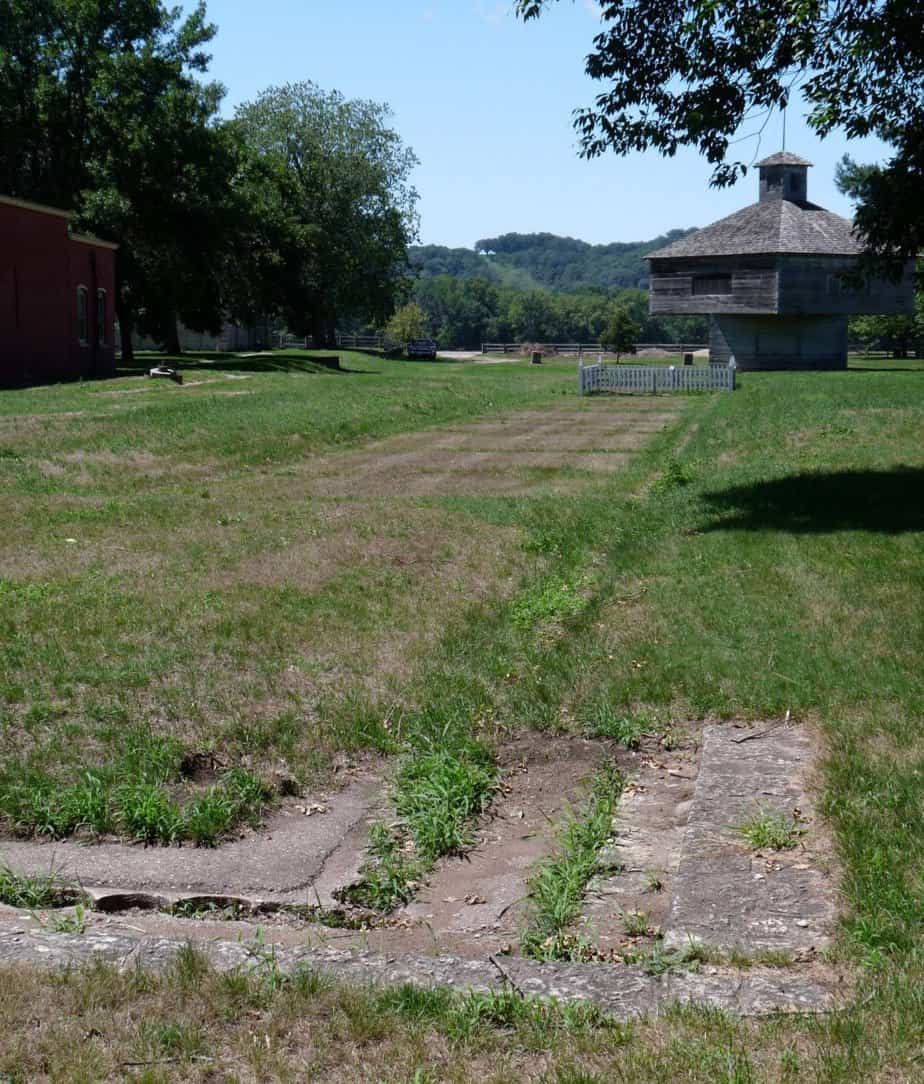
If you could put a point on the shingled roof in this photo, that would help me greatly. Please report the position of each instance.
(783, 158)
(768, 228)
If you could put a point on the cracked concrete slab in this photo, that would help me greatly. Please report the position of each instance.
(293, 858)
(623, 992)
(728, 896)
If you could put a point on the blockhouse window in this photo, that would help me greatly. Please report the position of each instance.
(712, 284)
(100, 317)
(83, 316)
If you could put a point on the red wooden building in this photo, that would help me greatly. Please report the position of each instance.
(57, 293)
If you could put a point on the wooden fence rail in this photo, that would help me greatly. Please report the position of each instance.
(651, 379)
(362, 342)
(583, 348)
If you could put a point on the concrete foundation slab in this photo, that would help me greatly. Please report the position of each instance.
(728, 896)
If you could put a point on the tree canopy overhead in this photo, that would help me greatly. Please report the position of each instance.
(693, 72)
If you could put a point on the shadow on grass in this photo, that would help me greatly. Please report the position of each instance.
(884, 501)
(205, 361)
(887, 368)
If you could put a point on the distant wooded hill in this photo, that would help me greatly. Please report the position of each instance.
(528, 261)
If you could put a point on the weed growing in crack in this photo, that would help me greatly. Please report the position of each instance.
(440, 793)
(659, 961)
(769, 830)
(635, 923)
(72, 923)
(557, 886)
(653, 881)
(389, 877)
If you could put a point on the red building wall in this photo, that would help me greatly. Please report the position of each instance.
(42, 266)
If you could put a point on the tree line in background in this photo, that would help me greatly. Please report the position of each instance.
(466, 312)
(510, 289)
(544, 261)
(298, 208)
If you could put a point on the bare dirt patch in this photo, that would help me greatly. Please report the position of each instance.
(474, 904)
(642, 859)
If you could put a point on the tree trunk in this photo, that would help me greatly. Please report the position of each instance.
(126, 328)
(323, 335)
(172, 335)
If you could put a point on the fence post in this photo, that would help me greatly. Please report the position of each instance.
(654, 380)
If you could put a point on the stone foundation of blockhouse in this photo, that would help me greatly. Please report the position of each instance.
(779, 342)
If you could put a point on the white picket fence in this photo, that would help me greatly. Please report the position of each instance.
(652, 379)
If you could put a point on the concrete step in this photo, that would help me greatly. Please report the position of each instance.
(728, 896)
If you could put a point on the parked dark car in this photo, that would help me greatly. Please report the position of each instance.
(421, 348)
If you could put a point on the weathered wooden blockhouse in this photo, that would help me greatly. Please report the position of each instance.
(770, 277)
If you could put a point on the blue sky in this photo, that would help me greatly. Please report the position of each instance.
(485, 101)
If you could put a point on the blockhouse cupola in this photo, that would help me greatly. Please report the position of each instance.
(772, 277)
(784, 176)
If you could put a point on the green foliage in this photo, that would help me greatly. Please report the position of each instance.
(409, 322)
(768, 829)
(133, 798)
(389, 876)
(635, 923)
(467, 310)
(621, 332)
(691, 88)
(438, 793)
(146, 812)
(557, 886)
(551, 599)
(525, 261)
(239, 797)
(104, 114)
(605, 721)
(75, 922)
(338, 181)
(39, 891)
(674, 476)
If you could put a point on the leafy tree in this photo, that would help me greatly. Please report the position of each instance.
(101, 111)
(343, 199)
(408, 323)
(621, 332)
(692, 72)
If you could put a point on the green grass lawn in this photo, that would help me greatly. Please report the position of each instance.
(762, 555)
